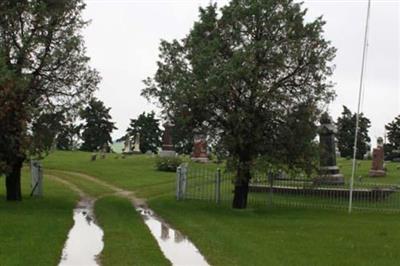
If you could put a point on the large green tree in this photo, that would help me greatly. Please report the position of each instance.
(44, 131)
(253, 75)
(346, 130)
(97, 127)
(393, 132)
(68, 136)
(147, 126)
(43, 69)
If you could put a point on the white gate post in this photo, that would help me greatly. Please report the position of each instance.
(37, 178)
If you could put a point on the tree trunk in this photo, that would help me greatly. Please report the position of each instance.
(13, 181)
(241, 186)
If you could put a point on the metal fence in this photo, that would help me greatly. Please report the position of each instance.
(271, 189)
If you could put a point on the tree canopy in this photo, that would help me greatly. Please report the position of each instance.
(150, 133)
(346, 131)
(253, 75)
(97, 128)
(393, 134)
(43, 68)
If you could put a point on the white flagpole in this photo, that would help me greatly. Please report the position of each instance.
(358, 108)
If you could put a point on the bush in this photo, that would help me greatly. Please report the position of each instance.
(168, 163)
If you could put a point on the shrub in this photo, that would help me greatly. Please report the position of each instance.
(168, 163)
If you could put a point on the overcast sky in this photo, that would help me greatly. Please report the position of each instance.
(123, 38)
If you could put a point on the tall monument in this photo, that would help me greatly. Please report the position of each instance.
(328, 170)
(167, 144)
(377, 169)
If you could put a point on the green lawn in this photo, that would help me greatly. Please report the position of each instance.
(284, 236)
(127, 240)
(136, 172)
(256, 236)
(90, 188)
(34, 227)
(392, 173)
(33, 232)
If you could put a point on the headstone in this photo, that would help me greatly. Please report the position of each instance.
(328, 171)
(127, 146)
(37, 178)
(136, 145)
(377, 169)
(167, 144)
(103, 151)
(200, 149)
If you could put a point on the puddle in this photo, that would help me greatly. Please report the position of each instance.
(175, 246)
(85, 239)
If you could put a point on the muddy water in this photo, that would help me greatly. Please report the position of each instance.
(85, 239)
(176, 247)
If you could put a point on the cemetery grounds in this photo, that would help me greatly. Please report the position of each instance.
(33, 232)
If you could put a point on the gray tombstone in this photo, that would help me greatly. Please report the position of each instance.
(37, 178)
(328, 170)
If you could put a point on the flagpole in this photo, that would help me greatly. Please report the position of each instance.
(353, 170)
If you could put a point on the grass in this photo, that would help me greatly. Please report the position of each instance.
(127, 240)
(392, 173)
(33, 232)
(284, 236)
(90, 188)
(136, 172)
(255, 236)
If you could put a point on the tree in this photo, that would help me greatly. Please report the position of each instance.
(43, 68)
(66, 138)
(68, 135)
(253, 76)
(182, 135)
(150, 133)
(393, 134)
(97, 126)
(44, 131)
(346, 131)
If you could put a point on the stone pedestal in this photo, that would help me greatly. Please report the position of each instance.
(167, 144)
(164, 153)
(377, 169)
(200, 149)
(328, 171)
(329, 175)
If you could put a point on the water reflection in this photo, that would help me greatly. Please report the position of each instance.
(179, 250)
(85, 239)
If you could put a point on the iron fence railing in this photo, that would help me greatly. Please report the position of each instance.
(217, 186)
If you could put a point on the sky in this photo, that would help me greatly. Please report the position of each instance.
(124, 35)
